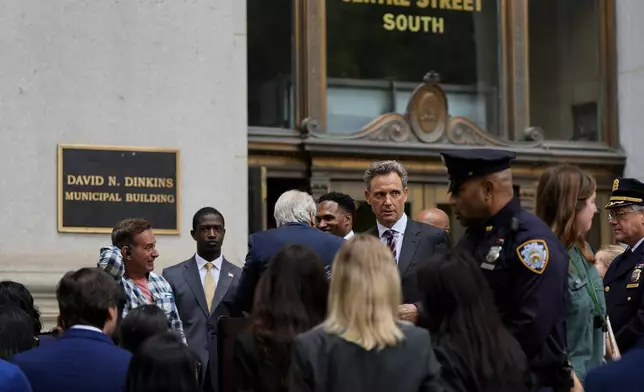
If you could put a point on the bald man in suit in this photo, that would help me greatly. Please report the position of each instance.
(434, 217)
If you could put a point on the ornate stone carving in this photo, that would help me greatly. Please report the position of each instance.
(462, 131)
(391, 127)
(427, 120)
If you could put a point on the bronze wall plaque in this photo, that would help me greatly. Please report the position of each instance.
(100, 185)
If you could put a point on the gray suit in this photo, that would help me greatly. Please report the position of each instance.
(199, 325)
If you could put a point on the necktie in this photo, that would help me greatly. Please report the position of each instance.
(209, 285)
(391, 241)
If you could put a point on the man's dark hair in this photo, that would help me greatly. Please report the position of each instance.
(345, 201)
(196, 219)
(85, 297)
(125, 231)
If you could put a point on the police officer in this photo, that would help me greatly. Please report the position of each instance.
(624, 299)
(524, 263)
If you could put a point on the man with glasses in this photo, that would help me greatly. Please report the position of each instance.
(624, 297)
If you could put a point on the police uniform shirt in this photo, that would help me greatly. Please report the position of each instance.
(527, 269)
(622, 289)
(524, 263)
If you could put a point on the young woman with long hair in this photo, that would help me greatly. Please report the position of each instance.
(291, 298)
(476, 352)
(566, 203)
(362, 346)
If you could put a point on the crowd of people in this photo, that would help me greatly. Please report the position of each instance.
(520, 303)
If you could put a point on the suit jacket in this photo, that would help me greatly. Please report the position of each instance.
(200, 325)
(420, 241)
(323, 362)
(79, 361)
(625, 297)
(624, 375)
(12, 379)
(264, 245)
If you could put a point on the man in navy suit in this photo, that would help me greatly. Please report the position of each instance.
(624, 375)
(85, 358)
(295, 218)
(203, 287)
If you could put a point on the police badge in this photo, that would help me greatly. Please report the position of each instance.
(493, 255)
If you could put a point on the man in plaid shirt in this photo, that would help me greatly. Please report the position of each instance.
(130, 260)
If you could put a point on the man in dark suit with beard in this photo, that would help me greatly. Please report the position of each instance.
(410, 242)
(204, 286)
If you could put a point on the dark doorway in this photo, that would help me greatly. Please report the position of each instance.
(274, 189)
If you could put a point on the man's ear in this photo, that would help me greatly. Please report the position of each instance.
(312, 219)
(487, 186)
(125, 252)
(367, 195)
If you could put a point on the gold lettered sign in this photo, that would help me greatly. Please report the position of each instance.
(100, 185)
(412, 16)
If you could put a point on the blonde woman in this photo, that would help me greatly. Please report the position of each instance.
(605, 256)
(362, 346)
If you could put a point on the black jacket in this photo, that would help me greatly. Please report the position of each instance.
(323, 362)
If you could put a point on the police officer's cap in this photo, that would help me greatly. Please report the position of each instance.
(626, 192)
(464, 165)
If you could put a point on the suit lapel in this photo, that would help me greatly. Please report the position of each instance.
(373, 231)
(409, 246)
(225, 278)
(622, 265)
(191, 274)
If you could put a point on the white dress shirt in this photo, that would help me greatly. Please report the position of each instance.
(87, 328)
(637, 244)
(399, 232)
(351, 234)
(201, 265)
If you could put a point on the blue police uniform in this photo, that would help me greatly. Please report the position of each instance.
(622, 289)
(526, 267)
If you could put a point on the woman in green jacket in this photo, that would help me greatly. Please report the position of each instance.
(566, 203)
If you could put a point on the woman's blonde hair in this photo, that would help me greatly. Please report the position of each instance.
(364, 295)
(611, 251)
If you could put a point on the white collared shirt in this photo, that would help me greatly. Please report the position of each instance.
(351, 234)
(87, 328)
(201, 265)
(637, 244)
(399, 231)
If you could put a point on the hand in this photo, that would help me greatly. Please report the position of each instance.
(408, 312)
(577, 387)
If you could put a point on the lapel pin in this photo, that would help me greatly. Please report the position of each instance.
(230, 275)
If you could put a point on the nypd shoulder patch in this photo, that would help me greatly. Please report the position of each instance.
(534, 254)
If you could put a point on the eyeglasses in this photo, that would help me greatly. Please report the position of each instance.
(619, 215)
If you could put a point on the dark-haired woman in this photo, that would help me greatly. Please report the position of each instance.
(163, 364)
(291, 298)
(566, 203)
(15, 293)
(476, 352)
(16, 333)
(140, 324)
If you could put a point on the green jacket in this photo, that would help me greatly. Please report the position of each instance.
(585, 340)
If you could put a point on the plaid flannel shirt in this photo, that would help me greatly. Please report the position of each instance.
(111, 261)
